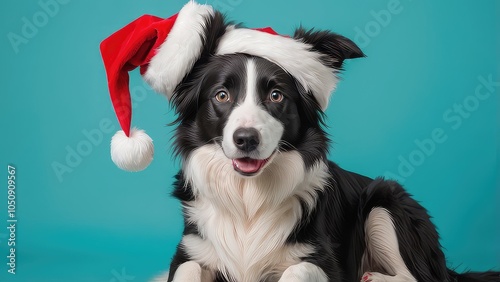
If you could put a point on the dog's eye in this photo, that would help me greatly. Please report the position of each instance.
(276, 96)
(222, 96)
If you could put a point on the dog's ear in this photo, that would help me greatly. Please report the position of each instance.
(335, 47)
(186, 94)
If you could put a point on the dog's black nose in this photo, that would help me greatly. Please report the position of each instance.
(246, 139)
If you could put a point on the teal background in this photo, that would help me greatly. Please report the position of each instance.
(98, 223)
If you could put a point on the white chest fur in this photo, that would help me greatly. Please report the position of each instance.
(244, 222)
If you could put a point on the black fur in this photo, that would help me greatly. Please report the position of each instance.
(335, 48)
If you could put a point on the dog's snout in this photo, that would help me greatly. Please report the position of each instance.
(246, 139)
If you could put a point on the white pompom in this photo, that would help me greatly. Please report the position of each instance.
(133, 153)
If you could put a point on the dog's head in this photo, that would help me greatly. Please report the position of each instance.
(250, 92)
(253, 108)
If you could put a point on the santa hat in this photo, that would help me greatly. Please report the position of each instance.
(166, 51)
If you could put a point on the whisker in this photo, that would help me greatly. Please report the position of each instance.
(217, 138)
(286, 143)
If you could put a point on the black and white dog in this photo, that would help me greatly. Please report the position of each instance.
(261, 201)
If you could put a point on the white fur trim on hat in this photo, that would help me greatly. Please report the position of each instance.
(177, 55)
(133, 153)
(293, 56)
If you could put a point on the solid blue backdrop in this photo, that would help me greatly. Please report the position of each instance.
(421, 108)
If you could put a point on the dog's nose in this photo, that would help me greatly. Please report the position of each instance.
(246, 139)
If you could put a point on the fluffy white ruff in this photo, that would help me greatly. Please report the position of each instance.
(244, 222)
(177, 55)
(292, 55)
(132, 153)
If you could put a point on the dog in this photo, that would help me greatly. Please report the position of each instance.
(261, 201)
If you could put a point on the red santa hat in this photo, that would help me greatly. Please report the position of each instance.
(166, 51)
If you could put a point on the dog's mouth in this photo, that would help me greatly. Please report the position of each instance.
(248, 166)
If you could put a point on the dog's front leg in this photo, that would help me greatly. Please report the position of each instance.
(303, 272)
(191, 271)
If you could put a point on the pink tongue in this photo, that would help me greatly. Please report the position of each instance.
(248, 165)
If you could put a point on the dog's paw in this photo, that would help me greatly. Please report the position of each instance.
(379, 277)
(303, 272)
(373, 277)
(188, 272)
